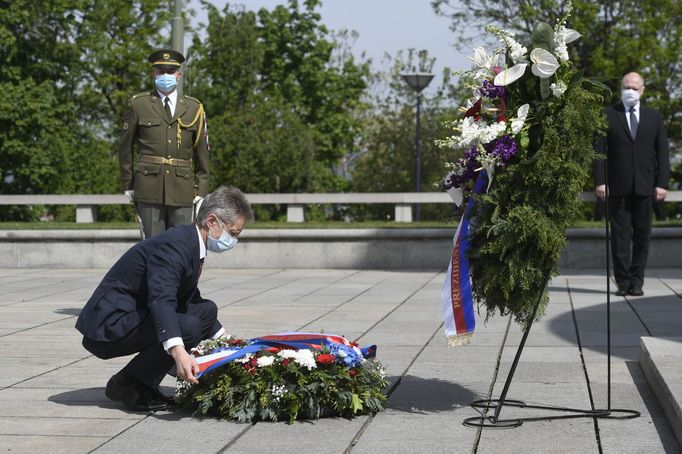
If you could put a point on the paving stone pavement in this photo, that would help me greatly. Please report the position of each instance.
(52, 391)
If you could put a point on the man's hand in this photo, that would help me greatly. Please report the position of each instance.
(601, 192)
(186, 365)
(129, 193)
(661, 194)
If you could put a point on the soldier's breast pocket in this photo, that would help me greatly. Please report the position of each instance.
(149, 131)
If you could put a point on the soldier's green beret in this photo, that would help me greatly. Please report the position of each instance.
(166, 59)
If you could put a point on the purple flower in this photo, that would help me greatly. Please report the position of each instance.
(491, 91)
(503, 148)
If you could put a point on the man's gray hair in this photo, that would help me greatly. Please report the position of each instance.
(227, 203)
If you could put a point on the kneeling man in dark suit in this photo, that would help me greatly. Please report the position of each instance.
(149, 303)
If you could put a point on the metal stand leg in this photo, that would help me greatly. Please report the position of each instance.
(495, 421)
(496, 404)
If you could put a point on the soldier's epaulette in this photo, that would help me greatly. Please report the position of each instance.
(144, 93)
(192, 99)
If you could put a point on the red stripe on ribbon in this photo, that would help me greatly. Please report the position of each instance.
(456, 293)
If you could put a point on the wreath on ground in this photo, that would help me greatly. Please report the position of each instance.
(284, 377)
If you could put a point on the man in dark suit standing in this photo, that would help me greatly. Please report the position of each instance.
(148, 303)
(636, 148)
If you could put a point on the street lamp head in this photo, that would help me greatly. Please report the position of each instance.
(418, 81)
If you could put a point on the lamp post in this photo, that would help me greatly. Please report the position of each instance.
(418, 82)
(178, 34)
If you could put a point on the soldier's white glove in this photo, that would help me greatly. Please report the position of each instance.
(130, 193)
(197, 204)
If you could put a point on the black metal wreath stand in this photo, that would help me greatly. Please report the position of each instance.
(494, 420)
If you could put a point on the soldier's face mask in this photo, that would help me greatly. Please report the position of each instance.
(166, 82)
(224, 243)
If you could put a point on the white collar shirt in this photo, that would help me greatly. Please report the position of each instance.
(172, 98)
(627, 114)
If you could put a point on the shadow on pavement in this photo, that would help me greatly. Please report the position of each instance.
(652, 316)
(578, 290)
(429, 395)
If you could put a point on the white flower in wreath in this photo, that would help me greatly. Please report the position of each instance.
(510, 75)
(558, 88)
(264, 361)
(544, 63)
(517, 52)
(488, 164)
(520, 119)
(481, 59)
(490, 132)
(563, 36)
(303, 357)
(244, 359)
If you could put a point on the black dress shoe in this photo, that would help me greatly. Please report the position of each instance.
(154, 394)
(128, 392)
(622, 291)
(636, 291)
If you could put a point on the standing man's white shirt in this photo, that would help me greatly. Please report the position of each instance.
(172, 98)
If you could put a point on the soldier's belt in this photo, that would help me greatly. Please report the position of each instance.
(167, 161)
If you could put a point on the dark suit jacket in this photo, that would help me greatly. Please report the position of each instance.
(157, 276)
(635, 166)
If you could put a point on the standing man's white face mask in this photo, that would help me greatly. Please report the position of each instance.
(631, 90)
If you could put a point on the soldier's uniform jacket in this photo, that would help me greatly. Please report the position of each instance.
(171, 164)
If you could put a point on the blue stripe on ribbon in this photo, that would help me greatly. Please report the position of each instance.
(464, 278)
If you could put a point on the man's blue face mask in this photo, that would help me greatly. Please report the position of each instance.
(166, 82)
(224, 243)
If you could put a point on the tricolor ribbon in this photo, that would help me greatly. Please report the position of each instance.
(291, 340)
(456, 297)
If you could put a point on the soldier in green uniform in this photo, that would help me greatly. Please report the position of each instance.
(168, 174)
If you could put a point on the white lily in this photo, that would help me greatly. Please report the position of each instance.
(544, 63)
(510, 75)
(521, 115)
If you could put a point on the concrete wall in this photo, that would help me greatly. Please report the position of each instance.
(307, 248)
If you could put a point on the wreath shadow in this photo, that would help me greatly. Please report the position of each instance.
(413, 394)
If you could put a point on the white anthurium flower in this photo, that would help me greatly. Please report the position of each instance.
(521, 115)
(544, 63)
(510, 75)
(481, 58)
(571, 35)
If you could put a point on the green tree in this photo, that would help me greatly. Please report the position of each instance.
(68, 68)
(282, 107)
(387, 160)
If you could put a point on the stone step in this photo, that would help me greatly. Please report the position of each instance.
(661, 360)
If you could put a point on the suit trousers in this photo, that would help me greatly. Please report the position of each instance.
(631, 217)
(152, 362)
(159, 218)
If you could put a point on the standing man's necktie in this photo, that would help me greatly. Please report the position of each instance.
(633, 123)
(170, 115)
